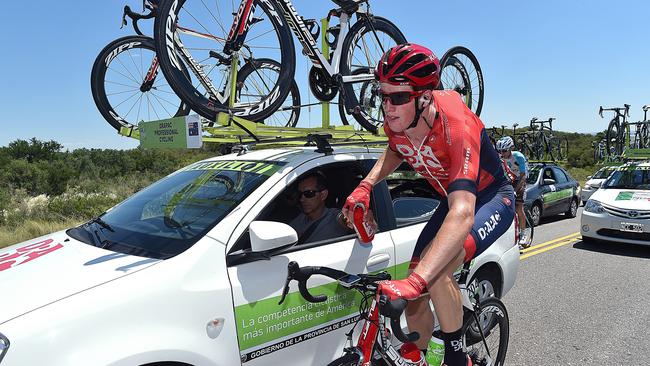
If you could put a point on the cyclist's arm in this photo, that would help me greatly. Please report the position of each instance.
(386, 164)
(464, 155)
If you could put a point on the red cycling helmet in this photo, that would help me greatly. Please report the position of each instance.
(409, 64)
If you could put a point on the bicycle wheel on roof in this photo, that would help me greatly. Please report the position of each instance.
(195, 33)
(461, 72)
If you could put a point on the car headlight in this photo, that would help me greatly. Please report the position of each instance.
(4, 346)
(594, 206)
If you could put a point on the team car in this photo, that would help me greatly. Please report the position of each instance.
(594, 181)
(620, 210)
(190, 270)
(550, 190)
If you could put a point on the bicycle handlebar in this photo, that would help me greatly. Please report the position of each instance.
(137, 16)
(391, 309)
(625, 109)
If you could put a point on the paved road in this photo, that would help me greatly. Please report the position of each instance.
(579, 304)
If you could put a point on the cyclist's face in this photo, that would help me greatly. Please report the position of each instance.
(505, 154)
(398, 117)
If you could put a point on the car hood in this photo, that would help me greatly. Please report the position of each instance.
(41, 271)
(631, 199)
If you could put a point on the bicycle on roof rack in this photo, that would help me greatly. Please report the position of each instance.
(211, 44)
(616, 129)
(544, 144)
(485, 325)
(127, 87)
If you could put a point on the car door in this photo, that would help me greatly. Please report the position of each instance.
(565, 190)
(298, 332)
(549, 193)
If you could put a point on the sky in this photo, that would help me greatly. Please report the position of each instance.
(552, 58)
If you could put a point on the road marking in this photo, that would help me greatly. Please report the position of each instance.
(569, 239)
(539, 246)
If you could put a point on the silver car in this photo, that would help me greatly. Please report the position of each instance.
(594, 182)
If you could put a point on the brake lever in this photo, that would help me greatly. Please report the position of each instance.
(124, 14)
(292, 268)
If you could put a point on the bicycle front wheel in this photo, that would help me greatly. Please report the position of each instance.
(461, 72)
(126, 85)
(349, 359)
(363, 47)
(253, 83)
(614, 137)
(194, 33)
(486, 333)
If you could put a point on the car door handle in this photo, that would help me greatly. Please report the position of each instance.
(378, 259)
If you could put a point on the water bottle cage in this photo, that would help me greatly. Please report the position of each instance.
(334, 31)
(313, 27)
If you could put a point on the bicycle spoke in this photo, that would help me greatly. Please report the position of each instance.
(122, 92)
(134, 94)
(134, 64)
(215, 19)
(131, 77)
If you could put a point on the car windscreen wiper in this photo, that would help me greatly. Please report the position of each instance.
(98, 220)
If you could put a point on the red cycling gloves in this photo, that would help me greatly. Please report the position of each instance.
(409, 289)
(360, 195)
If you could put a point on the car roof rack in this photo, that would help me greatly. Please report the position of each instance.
(322, 141)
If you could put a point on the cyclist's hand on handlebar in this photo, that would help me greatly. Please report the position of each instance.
(360, 195)
(409, 289)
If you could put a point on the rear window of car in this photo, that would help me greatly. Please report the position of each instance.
(168, 217)
(603, 173)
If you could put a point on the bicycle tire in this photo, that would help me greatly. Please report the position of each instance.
(109, 108)
(353, 103)
(644, 137)
(168, 52)
(474, 74)
(348, 359)
(292, 113)
(613, 137)
(492, 313)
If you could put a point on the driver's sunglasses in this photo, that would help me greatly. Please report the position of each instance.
(310, 193)
(399, 98)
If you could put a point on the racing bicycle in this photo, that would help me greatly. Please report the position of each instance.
(127, 88)
(485, 330)
(544, 143)
(616, 130)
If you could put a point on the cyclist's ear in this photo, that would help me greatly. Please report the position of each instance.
(425, 99)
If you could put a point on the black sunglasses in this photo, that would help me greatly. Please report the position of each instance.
(502, 151)
(399, 98)
(310, 193)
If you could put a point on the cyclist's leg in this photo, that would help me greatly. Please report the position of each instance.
(418, 313)
(520, 197)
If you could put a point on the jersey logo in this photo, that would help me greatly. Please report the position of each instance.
(426, 156)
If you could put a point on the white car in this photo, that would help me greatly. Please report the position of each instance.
(620, 210)
(594, 181)
(189, 271)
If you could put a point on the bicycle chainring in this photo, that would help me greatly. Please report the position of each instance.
(322, 86)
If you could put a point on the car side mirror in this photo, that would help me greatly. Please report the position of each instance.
(548, 182)
(267, 235)
(589, 177)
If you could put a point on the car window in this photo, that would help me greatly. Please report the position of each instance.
(603, 173)
(341, 180)
(548, 174)
(560, 176)
(533, 175)
(414, 200)
(629, 178)
(168, 217)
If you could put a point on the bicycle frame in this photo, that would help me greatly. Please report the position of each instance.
(374, 331)
(243, 20)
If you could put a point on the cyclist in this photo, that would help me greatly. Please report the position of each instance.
(447, 144)
(517, 164)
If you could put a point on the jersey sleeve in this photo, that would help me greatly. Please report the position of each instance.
(521, 161)
(463, 138)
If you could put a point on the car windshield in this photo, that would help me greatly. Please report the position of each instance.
(168, 217)
(533, 174)
(633, 177)
(603, 173)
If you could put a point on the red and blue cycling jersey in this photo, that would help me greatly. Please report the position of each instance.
(457, 153)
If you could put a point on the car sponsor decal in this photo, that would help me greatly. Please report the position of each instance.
(557, 195)
(633, 196)
(264, 327)
(256, 167)
(27, 253)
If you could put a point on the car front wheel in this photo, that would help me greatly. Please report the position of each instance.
(573, 208)
(535, 213)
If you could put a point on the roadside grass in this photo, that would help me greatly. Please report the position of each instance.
(31, 229)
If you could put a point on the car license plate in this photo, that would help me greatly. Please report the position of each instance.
(631, 227)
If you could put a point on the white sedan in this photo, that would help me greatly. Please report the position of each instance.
(594, 182)
(190, 269)
(620, 210)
